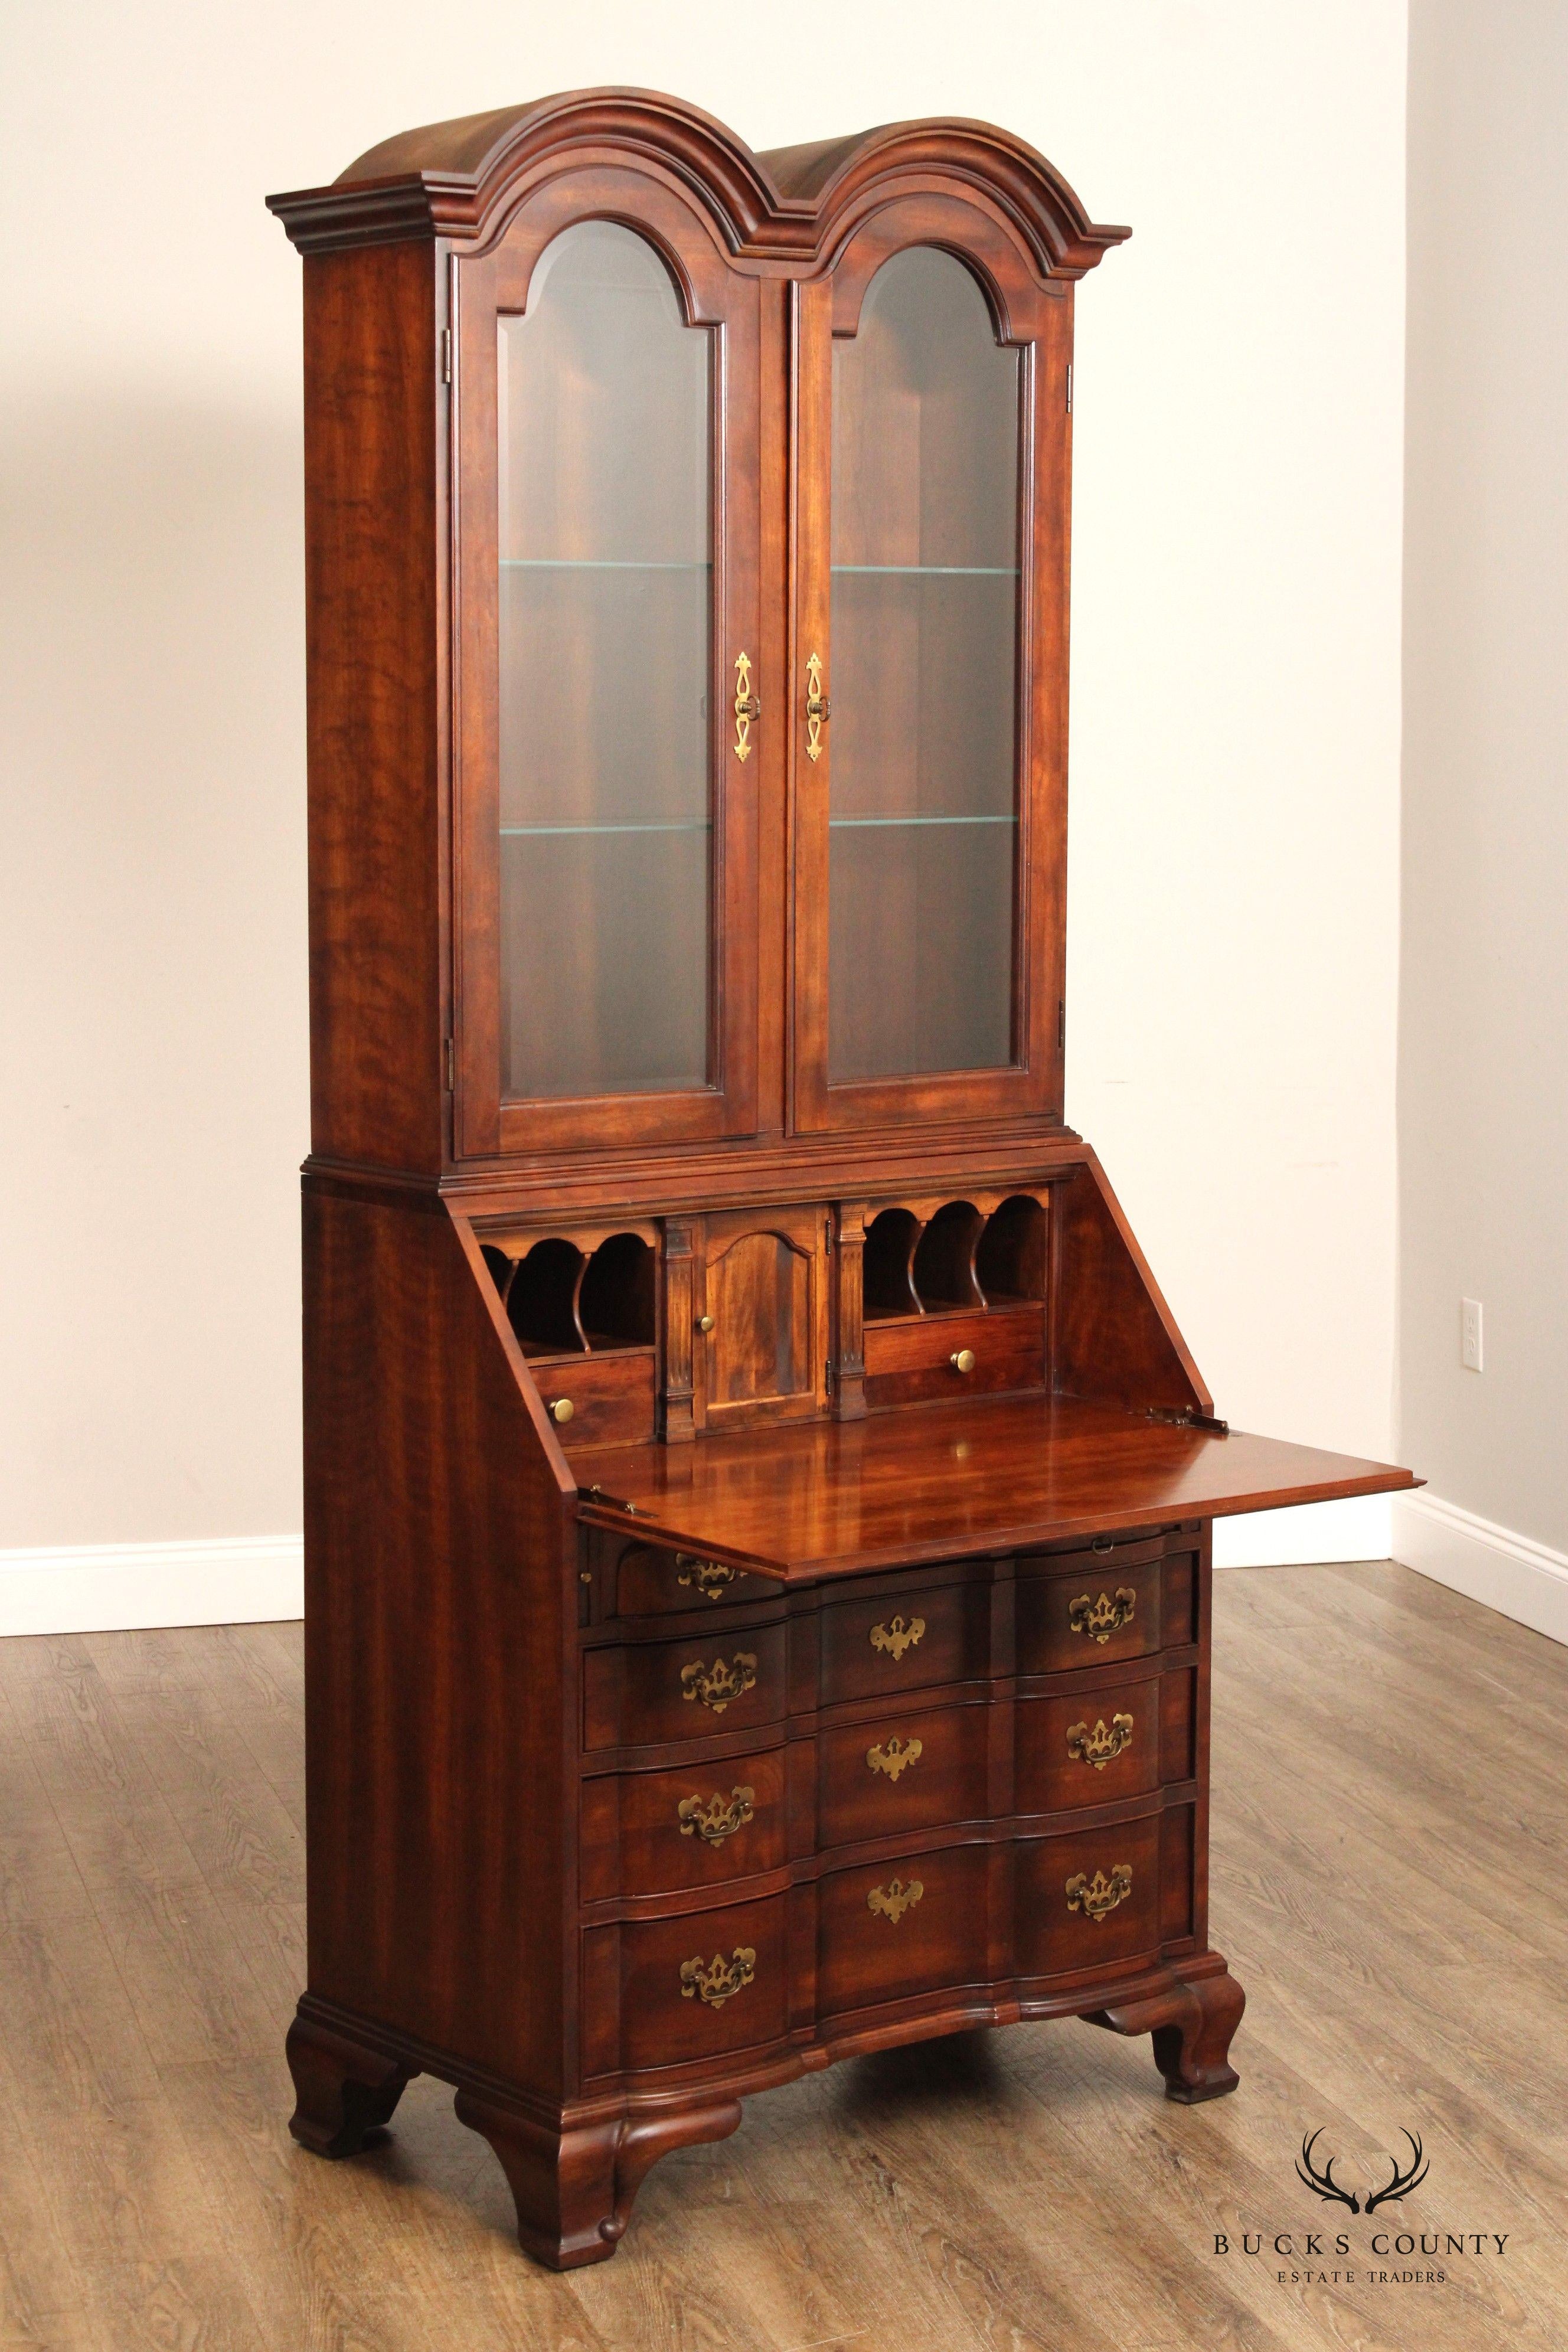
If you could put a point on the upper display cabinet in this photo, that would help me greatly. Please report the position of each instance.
(695, 526)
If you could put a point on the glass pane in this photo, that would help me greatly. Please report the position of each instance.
(606, 629)
(922, 820)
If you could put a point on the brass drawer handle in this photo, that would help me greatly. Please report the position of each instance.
(717, 1684)
(720, 1818)
(717, 1981)
(962, 1359)
(1099, 1619)
(891, 1902)
(895, 1756)
(895, 1637)
(710, 1576)
(817, 707)
(747, 707)
(1100, 1746)
(1097, 1895)
(563, 1409)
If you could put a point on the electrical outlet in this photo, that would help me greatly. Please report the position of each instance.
(1470, 1334)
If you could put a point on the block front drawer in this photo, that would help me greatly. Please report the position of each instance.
(666, 1993)
(1088, 1898)
(1098, 1746)
(697, 1825)
(645, 1692)
(649, 1583)
(912, 1772)
(1096, 1611)
(905, 1640)
(903, 1927)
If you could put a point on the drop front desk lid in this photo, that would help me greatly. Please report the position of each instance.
(933, 1481)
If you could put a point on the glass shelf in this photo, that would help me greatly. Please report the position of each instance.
(932, 570)
(681, 824)
(838, 824)
(593, 563)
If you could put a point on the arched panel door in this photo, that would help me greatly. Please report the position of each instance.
(608, 682)
(929, 729)
(762, 1351)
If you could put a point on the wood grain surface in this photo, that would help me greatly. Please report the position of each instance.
(986, 1475)
(1388, 1881)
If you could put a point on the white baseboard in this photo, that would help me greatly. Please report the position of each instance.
(115, 1588)
(1355, 1529)
(1519, 1577)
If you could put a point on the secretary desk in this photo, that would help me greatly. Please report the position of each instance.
(758, 1503)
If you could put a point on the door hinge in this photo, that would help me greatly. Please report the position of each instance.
(450, 1063)
(827, 1234)
(445, 354)
(1061, 1025)
(1069, 388)
(827, 1376)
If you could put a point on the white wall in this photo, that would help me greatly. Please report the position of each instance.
(1483, 1073)
(1235, 681)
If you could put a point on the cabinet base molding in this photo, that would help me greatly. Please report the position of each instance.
(1192, 2023)
(575, 2172)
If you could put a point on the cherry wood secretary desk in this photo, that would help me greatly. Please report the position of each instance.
(758, 1502)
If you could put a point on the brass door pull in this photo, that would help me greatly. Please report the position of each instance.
(717, 1981)
(895, 1637)
(818, 709)
(710, 1576)
(891, 1902)
(747, 707)
(720, 1818)
(1100, 1746)
(962, 1359)
(717, 1684)
(705, 1322)
(1097, 1895)
(1099, 1619)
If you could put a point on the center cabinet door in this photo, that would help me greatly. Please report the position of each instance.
(606, 530)
(761, 1320)
(930, 686)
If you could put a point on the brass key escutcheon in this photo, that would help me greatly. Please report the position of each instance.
(895, 1756)
(895, 1637)
(891, 1902)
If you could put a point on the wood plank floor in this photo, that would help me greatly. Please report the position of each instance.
(1388, 1881)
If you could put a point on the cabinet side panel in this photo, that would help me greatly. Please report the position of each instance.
(1113, 1338)
(437, 1539)
(372, 586)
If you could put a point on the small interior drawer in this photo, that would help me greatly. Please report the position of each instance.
(903, 1927)
(1100, 1613)
(908, 1772)
(905, 1639)
(645, 1692)
(1095, 1746)
(611, 1397)
(913, 1359)
(697, 1825)
(1088, 1898)
(652, 1583)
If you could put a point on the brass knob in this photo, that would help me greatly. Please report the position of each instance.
(963, 1360)
(705, 1322)
(563, 1409)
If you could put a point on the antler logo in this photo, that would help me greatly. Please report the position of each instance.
(1324, 2184)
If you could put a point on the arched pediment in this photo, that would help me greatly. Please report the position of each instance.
(459, 179)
